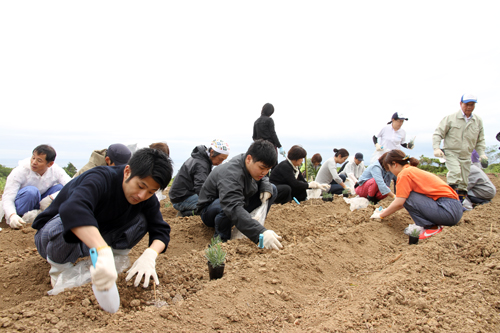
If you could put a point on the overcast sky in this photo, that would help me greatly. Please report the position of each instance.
(83, 75)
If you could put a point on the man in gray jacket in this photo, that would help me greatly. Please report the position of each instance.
(235, 189)
(187, 183)
(480, 188)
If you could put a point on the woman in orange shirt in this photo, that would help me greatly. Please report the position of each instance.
(430, 202)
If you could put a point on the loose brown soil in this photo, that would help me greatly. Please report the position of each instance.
(339, 271)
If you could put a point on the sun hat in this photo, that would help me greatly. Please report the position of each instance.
(220, 147)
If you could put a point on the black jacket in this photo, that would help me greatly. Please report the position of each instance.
(283, 174)
(263, 128)
(233, 185)
(191, 175)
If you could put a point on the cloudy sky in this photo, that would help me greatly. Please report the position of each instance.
(83, 75)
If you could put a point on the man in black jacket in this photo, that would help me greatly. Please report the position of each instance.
(263, 128)
(235, 189)
(187, 183)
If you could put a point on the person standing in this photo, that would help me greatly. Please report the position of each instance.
(187, 183)
(390, 137)
(328, 173)
(430, 202)
(461, 133)
(30, 185)
(263, 128)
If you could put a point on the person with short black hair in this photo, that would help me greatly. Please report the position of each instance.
(110, 209)
(115, 155)
(289, 181)
(30, 185)
(234, 189)
(263, 128)
(187, 183)
(353, 169)
(430, 202)
(328, 173)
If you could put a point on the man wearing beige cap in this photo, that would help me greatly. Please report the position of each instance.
(462, 132)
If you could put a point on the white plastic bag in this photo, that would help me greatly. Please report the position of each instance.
(160, 195)
(350, 185)
(80, 274)
(1, 210)
(258, 214)
(357, 203)
(314, 193)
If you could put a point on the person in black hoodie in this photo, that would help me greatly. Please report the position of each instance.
(192, 175)
(263, 128)
(289, 180)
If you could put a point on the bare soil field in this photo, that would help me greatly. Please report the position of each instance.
(339, 271)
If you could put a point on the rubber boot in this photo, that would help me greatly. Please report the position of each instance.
(56, 270)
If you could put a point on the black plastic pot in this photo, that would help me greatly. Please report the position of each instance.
(215, 273)
(327, 199)
(413, 240)
(346, 195)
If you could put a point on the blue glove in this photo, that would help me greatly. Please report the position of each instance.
(282, 152)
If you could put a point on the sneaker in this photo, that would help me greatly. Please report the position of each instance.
(430, 232)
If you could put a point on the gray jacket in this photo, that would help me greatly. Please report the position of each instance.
(480, 185)
(191, 175)
(233, 185)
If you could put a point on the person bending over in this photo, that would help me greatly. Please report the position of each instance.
(375, 181)
(328, 172)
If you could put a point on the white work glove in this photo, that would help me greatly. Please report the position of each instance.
(438, 153)
(376, 214)
(45, 203)
(16, 221)
(484, 157)
(272, 240)
(264, 196)
(104, 274)
(282, 152)
(314, 184)
(144, 266)
(378, 147)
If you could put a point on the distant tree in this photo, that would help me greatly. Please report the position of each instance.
(432, 165)
(4, 171)
(70, 169)
(493, 154)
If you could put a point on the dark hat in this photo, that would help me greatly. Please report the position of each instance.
(359, 156)
(119, 153)
(397, 116)
(498, 136)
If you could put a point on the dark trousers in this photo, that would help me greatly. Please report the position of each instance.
(427, 212)
(337, 188)
(286, 194)
(213, 216)
(477, 200)
(50, 242)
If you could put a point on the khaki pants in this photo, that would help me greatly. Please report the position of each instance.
(458, 169)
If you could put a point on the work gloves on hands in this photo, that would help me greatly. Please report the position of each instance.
(438, 153)
(314, 184)
(144, 266)
(264, 196)
(282, 151)
(104, 274)
(45, 203)
(272, 240)
(378, 147)
(376, 214)
(16, 221)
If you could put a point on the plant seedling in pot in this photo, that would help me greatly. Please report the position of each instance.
(346, 193)
(414, 235)
(216, 257)
(327, 197)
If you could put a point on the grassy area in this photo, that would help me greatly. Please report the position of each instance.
(2, 183)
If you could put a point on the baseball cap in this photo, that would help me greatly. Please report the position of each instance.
(220, 147)
(467, 98)
(397, 116)
(359, 156)
(119, 153)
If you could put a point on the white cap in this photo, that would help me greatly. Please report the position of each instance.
(220, 147)
(467, 98)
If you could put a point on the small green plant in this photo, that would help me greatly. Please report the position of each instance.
(327, 195)
(415, 232)
(215, 254)
(2, 183)
(346, 191)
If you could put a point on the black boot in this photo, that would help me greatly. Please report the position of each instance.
(373, 200)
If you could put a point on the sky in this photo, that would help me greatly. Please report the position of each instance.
(83, 75)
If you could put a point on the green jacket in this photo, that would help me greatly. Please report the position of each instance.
(460, 136)
(98, 158)
(311, 169)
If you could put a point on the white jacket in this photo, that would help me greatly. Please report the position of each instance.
(23, 176)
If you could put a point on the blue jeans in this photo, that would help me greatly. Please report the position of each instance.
(188, 204)
(28, 198)
(213, 216)
(427, 212)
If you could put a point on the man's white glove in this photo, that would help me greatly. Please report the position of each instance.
(314, 184)
(282, 152)
(104, 274)
(272, 240)
(144, 266)
(438, 153)
(45, 203)
(16, 221)
(264, 196)
(376, 214)
(378, 147)
(484, 157)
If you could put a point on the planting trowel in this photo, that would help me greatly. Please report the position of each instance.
(109, 300)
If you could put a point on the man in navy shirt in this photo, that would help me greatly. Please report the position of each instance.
(110, 209)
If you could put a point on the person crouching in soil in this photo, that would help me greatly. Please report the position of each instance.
(110, 209)
(430, 202)
(375, 181)
(236, 188)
